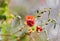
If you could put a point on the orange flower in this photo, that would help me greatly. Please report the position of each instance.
(30, 20)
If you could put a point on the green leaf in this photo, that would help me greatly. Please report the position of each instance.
(34, 28)
(23, 38)
(14, 36)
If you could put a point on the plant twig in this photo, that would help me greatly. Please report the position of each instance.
(4, 35)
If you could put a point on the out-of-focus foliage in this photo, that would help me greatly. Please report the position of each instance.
(5, 18)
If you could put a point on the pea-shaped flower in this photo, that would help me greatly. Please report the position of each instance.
(30, 20)
(39, 28)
